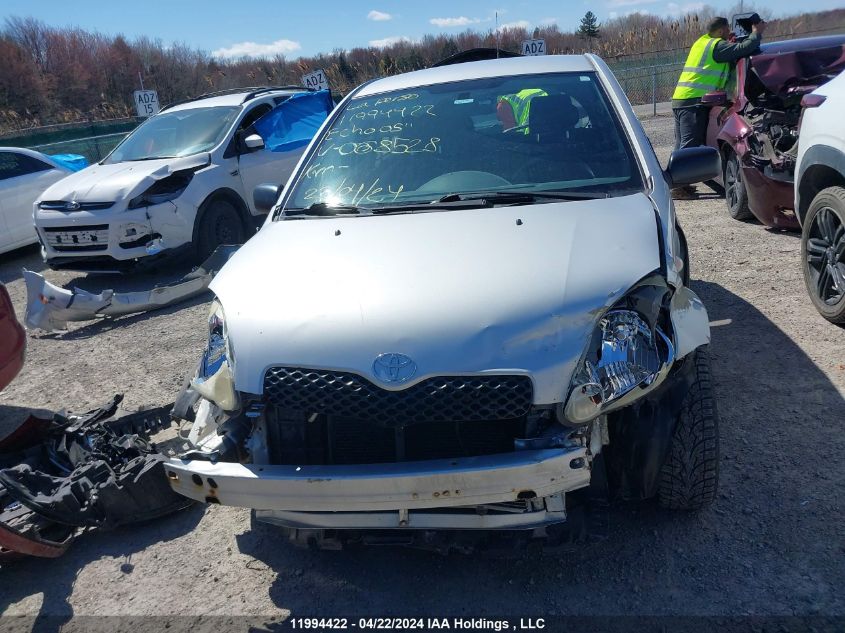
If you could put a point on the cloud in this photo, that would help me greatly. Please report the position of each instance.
(519, 24)
(253, 49)
(379, 16)
(390, 41)
(673, 8)
(548, 21)
(628, 3)
(459, 21)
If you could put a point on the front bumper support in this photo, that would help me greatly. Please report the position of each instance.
(443, 483)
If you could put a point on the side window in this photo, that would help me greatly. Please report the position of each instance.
(9, 166)
(253, 115)
(13, 165)
(30, 165)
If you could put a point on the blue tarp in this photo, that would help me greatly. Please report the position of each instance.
(292, 124)
(74, 162)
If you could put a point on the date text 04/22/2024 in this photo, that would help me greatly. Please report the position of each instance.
(418, 624)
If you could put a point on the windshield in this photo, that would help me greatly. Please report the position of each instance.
(521, 134)
(174, 134)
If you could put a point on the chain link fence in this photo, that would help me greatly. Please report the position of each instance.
(92, 139)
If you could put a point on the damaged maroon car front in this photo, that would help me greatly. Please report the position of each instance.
(12, 340)
(755, 128)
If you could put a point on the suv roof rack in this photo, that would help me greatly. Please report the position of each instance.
(252, 92)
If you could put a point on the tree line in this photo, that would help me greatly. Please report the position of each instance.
(58, 75)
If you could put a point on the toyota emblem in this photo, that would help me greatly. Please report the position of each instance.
(394, 367)
(73, 205)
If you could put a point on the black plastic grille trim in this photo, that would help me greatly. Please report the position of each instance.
(442, 398)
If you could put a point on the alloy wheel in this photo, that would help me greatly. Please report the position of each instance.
(826, 256)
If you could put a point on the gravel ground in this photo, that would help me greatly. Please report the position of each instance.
(771, 545)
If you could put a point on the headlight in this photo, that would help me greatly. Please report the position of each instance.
(626, 360)
(164, 190)
(214, 380)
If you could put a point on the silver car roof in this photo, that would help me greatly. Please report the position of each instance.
(479, 70)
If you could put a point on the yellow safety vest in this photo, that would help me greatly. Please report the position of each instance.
(521, 104)
(702, 73)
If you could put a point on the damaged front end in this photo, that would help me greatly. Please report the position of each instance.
(324, 453)
(764, 129)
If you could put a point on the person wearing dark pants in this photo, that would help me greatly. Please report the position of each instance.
(707, 69)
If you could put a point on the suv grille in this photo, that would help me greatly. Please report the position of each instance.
(443, 398)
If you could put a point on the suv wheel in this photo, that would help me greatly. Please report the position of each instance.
(690, 476)
(736, 195)
(823, 253)
(220, 224)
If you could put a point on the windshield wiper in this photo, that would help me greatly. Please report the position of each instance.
(523, 197)
(324, 209)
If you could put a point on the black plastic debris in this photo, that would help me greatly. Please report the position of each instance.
(87, 471)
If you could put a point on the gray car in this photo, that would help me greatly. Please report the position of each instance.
(468, 310)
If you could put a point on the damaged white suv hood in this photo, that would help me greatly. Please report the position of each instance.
(505, 289)
(118, 182)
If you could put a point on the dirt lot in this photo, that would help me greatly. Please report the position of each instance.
(772, 544)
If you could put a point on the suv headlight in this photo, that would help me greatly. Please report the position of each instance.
(626, 359)
(164, 190)
(214, 380)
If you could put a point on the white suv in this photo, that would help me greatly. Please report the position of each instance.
(178, 184)
(820, 198)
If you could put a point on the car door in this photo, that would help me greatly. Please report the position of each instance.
(286, 129)
(24, 180)
(259, 165)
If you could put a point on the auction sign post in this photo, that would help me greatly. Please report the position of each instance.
(534, 47)
(146, 102)
(316, 80)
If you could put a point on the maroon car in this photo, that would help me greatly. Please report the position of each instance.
(755, 125)
(12, 340)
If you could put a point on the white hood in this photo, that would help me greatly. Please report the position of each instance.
(460, 291)
(118, 181)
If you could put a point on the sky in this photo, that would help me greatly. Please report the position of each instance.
(228, 28)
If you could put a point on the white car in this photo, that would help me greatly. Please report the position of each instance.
(24, 175)
(820, 198)
(487, 322)
(179, 183)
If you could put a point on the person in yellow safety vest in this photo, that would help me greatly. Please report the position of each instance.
(707, 69)
(520, 105)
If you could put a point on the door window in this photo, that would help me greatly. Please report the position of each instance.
(13, 165)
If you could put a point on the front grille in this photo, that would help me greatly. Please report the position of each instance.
(347, 395)
(75, 238)
(325, 417)
(62, 205)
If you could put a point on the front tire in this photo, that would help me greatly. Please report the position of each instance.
(689, 478)
(823, 253)
(220, 223)
(736, 195)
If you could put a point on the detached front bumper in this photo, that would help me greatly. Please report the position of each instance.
(404, 494)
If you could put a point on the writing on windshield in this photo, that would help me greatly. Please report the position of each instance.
(523, 133)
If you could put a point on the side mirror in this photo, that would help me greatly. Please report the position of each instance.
(264, 196)
(254, 142)
(693, 164)
(715, 99)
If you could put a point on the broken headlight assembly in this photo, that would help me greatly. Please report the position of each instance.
(214, 380)
(626, 359)
(164, 190)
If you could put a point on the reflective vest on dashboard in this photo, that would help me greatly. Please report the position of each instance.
(521, 104)
(702, 73)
